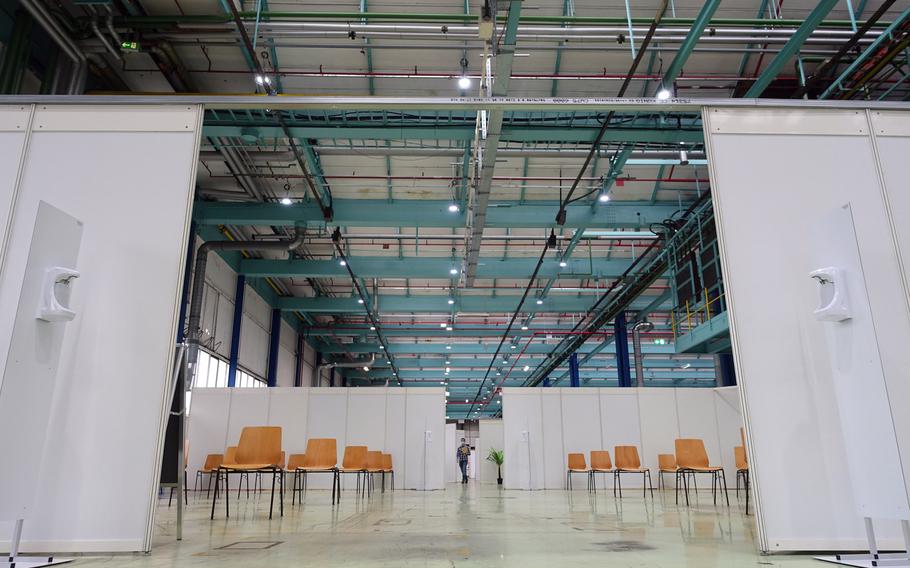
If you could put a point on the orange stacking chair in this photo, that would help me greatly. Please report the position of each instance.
(387, 468)
(374, 466)
(742, 472)
(211, 465)
(259, 450)
(354, 462)
(577, 465)
(692, 458)
(600, 463)
(295, 464)
(627, 461)
(666, 463)
(321, 457)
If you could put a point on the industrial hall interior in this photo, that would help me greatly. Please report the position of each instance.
(454, 283)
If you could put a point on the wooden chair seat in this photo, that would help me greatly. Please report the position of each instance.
(250, 466)
(632, 469)
(709, 469)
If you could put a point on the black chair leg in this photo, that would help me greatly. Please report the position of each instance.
(723, 478)
(650, 485)
(272, 499)
(215, 497)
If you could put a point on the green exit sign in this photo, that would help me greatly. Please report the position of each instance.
(129, 45)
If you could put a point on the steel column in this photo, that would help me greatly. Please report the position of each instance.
(274, 342)
(298, 363)
(621, 336)
(574, 380)
(235, 330)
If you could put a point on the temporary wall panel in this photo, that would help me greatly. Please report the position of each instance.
(490, 438)
(379, 418)
(820, 160)
(559, 421)
(451, 473)
(128, 174)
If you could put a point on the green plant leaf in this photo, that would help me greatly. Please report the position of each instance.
(496, 456)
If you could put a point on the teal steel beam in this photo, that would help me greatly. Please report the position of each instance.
(426, 330)
(688, 44)
(430, 213)
(461, 365)
(886, 35)
(463, 348)
(463, 133)
(423, 267)
(599, 374)
(437, 304)
(791, 48)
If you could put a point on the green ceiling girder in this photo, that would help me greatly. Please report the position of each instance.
(429, 330)
(688, 44)
(460, 365)
(488, 348)
(463, 133)
(519, 374)
(437, 304)
(420, 267)
(431, 213)
(791, 48)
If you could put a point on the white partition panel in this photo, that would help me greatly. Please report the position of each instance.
(208, 425)
(327, 418)
(491, 436)
(14, 127)
(379, 418)
(451, 462)
(425, 438)
(395, 426)
(728, 410)
(289, 408)
(103, 166)
(584, 419)
(783, 362)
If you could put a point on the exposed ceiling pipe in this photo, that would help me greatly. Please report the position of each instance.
(63, 41)
(367, 362)
(273, 156)
(202, 255)
(637, 330)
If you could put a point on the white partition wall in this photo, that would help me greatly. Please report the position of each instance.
(378, 418)
(565, 420)
(777, 175)
(491, 436)
(127, 173)
(451, 463)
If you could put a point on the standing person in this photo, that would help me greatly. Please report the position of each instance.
(462, 453)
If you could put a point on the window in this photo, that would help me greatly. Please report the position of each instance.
(212, 372)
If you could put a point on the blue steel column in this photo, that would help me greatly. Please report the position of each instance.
(574, 379)
(187, 276)
(622, 350)
(298, 364)
(726, 374)
(235, 330)
(271, 377)
(546, 381)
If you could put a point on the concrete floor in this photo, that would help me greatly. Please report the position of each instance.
(465, 525)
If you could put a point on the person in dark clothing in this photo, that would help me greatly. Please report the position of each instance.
(462, 454)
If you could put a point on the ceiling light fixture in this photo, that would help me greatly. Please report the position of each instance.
(342, 262)
(365, 368)
(263, 80)
(663, 94)
(372, 328)
(453, 271)
(539, 301)
(683, 155)
(286, 200)
(464, 82)
(524, 328)
(449, 328)
(526, 368)
(603, 197)
(512, 346)
(359, 300)
(382, 346)
(563, 263)
(451, 301)
(443, 325)
(453, 208)
(448, 346)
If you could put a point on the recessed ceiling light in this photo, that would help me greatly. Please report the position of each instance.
(539, 301)
(448, 346)
(512, 346)
(443, 324)
(498, 373)
(524, 328)
(453, 271)
(526, 368)
(453, 208)
(382, 346)
(451, 301)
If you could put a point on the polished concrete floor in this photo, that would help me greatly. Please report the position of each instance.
(465, 525)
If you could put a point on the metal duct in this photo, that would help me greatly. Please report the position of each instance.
(636, 349)
(368, 362)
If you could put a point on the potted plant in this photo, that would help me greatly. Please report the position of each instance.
(497, 457)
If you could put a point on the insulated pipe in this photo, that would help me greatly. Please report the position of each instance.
(368, 362)
(202, 254)
(637, 329)
(272, 156)
(107, 45)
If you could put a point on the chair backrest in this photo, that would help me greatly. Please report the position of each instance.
(627, 457)
(690, 452)
(212, 461)
(296, 461)
(259, 445)
(374, 460)
(321, 453)
(600, 459)
(355, 457)
(666, 462)
(230, 455)
(577, 461)
(387, 462)
(739, 456)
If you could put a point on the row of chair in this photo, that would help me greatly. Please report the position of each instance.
(259, 451)
(690, 459)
